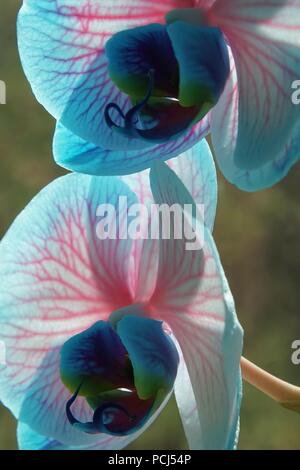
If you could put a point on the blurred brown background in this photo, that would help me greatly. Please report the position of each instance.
(257, 235)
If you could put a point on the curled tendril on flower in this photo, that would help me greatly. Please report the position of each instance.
(110, 418)
(164, 126)
(131, 117)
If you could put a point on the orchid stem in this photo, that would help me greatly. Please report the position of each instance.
(277, 389)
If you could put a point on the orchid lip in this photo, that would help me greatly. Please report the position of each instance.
(167, 127)
(123, 371)
(180, 83)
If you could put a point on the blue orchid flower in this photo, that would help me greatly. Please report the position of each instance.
(100, 331)
(133, 81)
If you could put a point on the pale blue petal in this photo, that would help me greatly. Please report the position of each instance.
(61, 45)
(256, 125)
(28, 439)
(76, 154)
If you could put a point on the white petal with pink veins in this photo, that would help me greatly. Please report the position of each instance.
(262, 123)
(193, 297)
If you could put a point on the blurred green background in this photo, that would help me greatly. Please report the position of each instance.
(257, 235)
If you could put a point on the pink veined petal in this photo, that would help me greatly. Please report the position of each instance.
(193, 298)
(76, 154)
(224, 129)
(61, 44)
(183, 388)
(205, 4)
(265, 42)
(144, 260)
(197, 171)
(57, 279)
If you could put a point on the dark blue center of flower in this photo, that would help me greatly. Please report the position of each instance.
(173, 75)
(123, 372)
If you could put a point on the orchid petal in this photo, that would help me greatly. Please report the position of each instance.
(28, 439)
(183, 388)
(265, 42)
(197, 171)
(205, 4)
(224, 127)
(194, 299)
(187, 408)
(61, 44)
(57, 279)
(76, 154)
